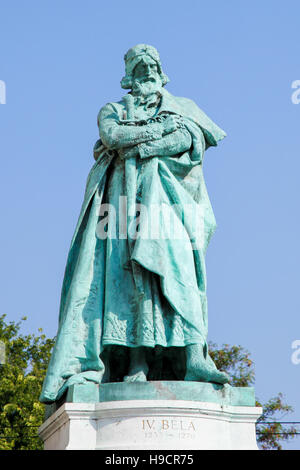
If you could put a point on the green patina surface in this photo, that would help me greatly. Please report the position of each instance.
(158, 390)
(164, 390)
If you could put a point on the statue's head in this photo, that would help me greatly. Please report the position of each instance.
(143, 70)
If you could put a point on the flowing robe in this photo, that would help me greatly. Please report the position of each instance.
(138, 291)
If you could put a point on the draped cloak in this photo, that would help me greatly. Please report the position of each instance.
(179, 264)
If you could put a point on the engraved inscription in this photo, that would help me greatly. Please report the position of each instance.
(168, 428)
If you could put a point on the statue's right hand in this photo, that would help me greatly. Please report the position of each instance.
(171, 123)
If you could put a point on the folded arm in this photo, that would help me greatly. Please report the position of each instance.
(116, 135)
(172, 144)
(177, 142)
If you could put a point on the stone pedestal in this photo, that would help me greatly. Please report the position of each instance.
(153, 415)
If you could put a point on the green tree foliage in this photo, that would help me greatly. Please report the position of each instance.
(24, 369)
(272, 434)
(21, 378)
(237, 362)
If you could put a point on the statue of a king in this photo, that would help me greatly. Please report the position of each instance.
(133, 304)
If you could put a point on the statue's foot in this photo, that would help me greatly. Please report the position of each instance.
(206, 375)
(138, 368)
(201, 368)
(138, 376)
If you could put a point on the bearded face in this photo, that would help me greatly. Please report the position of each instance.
(146, 78)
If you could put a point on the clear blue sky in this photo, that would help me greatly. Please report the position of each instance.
(62, 60)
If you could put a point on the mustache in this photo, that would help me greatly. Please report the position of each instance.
(150, 78)
(147, 86)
